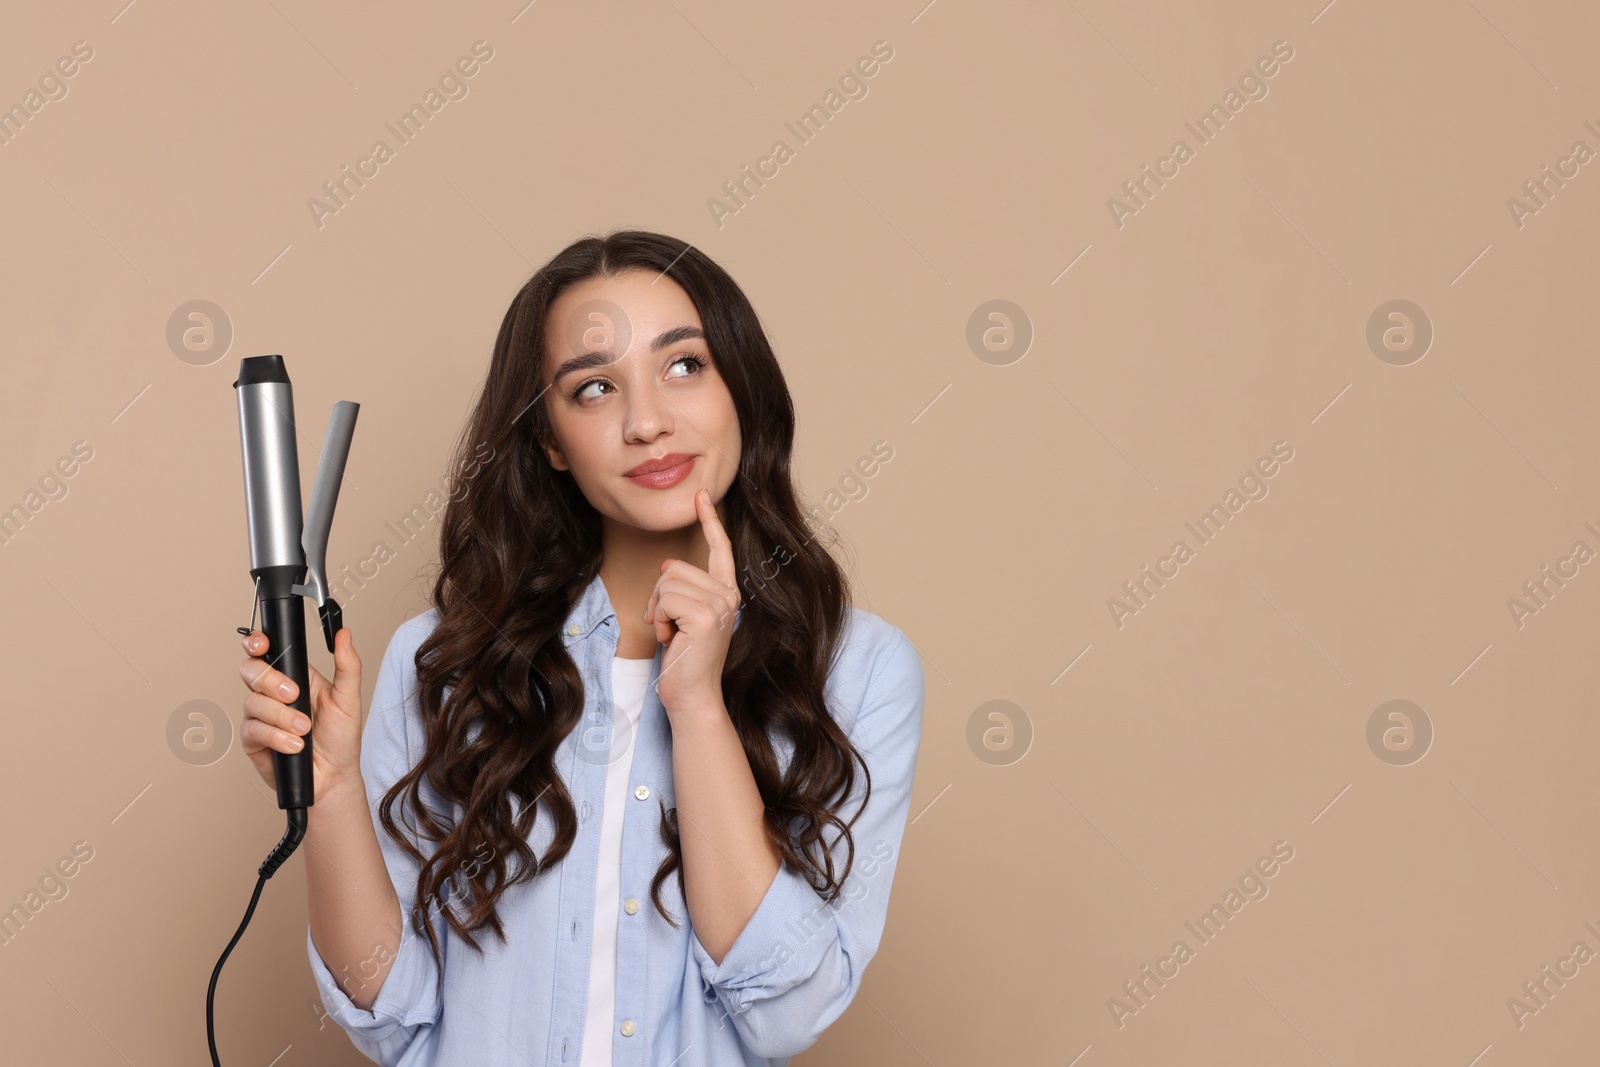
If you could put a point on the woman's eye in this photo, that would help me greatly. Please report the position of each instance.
(591, 389)
(684, 366)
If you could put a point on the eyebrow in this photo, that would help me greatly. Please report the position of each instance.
(605, 357)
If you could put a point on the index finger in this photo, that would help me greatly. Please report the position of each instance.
(260, 676)
(720, 564)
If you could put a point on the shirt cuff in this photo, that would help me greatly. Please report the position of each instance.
(408, 997)
(784, 943)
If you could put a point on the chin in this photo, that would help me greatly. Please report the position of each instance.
(670, 509)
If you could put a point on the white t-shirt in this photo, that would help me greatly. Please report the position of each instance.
(629, 679)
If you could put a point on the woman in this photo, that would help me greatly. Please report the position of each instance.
(640, 681)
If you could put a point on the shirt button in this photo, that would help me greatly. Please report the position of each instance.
(643, 792)
(574, 630)
(631, 907)
(627, 1028)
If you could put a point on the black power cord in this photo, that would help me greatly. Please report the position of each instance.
(292, 837)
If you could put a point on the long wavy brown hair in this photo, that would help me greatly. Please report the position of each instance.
(519, 544)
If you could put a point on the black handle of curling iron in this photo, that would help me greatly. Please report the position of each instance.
(284, 623)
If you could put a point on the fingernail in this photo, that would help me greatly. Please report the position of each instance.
(296, 743)
(286, 690)
(302, 723)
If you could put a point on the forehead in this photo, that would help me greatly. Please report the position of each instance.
(621, 314)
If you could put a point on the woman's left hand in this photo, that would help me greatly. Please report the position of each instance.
(693, 612)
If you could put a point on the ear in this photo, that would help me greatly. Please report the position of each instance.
(554, 455)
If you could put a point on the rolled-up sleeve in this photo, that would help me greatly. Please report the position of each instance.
(796, 965)
(408, 1000)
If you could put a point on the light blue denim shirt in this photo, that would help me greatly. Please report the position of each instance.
(791, 972)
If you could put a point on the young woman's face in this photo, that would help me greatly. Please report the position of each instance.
(638, 412)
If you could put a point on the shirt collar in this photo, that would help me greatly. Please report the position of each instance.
(591, 611)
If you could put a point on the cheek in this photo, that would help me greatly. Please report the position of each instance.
(581, 441)
(718, 421)
(708, 423)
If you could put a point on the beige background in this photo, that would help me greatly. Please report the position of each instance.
(1228, 314)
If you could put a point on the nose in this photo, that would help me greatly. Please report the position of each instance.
(649, 415)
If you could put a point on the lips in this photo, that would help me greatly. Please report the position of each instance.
(664, 472)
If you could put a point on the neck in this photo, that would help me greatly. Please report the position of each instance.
(630, 565)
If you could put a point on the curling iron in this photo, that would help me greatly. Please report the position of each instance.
(288, 562)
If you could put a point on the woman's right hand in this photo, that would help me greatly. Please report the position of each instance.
(272, 725)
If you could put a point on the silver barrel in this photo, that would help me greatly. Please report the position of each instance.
(271, 463)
